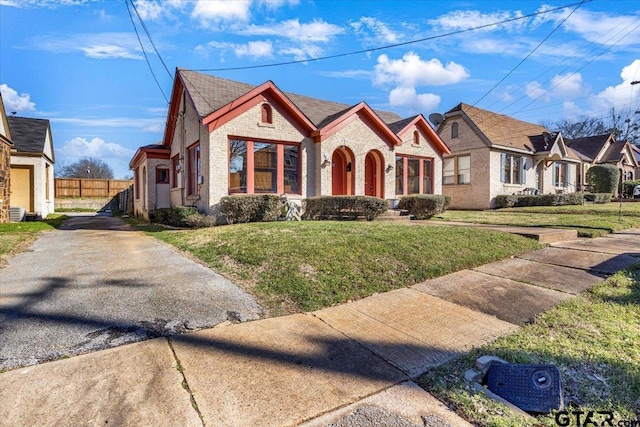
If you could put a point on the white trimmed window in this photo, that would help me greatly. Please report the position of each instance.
(561, 174)
(513, 169)
(456, 170)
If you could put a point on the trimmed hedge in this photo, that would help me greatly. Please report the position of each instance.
(598, 198)
(343, 207)
(513, 201)
(603, 178)
(175, 216)
(424, 206)
(250, 208)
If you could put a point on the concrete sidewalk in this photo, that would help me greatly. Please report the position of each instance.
(348, 365)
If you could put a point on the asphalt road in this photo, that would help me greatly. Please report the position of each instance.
(95, 283)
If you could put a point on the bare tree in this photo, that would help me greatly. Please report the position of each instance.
(86, 168)
(626, 125)
(580, 128)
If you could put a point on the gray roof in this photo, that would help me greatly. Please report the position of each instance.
(210, 93)
(28, 135)
(400, 124)
(589, 146)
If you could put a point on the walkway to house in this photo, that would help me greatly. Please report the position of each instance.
(345, 365)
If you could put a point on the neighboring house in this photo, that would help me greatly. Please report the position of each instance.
(5, 164)
(224, 137)
(493, 154)
(636, 154)
(604, 149)
(32, 160)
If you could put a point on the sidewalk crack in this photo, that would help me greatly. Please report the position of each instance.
(185, 383)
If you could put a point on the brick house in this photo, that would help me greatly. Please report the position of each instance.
(604, 149)
(224, 137)
(493, 154)
(32, 160)
(5, 164)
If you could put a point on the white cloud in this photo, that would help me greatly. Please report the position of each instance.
(145, 124)
(466, 19)
(303, 52)
(255, 49)
(381, 33)
(599, 27)
(567, 86)
(406, 97)
(534, 90)
(14, 101)
(98, 45)
(50, 4)
(622, 94)
(411, 71)
(348, 74)
(148, 9)
(77, 148)
(315, 31)
(214, 12)
(108, 52)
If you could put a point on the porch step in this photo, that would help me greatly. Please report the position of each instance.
(395, 215)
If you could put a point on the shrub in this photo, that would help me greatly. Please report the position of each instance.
(175, 215)
(627, 187)
(197, 220)
(250, 208)
(598, 198)
(343, 207)
(603, 178)
(513, 201)
(424, 206)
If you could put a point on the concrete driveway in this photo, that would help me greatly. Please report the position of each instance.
(95, 283)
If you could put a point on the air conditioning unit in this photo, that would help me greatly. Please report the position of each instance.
(16, 214)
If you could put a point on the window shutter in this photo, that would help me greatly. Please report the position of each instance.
(554, 181)
(503, 161)
(523, 172)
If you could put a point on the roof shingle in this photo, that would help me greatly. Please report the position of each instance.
(28, 135)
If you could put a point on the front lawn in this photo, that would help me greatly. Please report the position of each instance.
(589, 220)
(592, 339)
(303, 266)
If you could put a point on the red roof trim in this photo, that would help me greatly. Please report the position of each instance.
(148, 153)
(174, 105)
(421, 123)
(268, 90)
(365, 112)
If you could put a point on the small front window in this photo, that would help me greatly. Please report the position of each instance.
(267, 114)
(162, 176)
(454, 130)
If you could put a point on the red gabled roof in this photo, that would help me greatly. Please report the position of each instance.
(421, 123)
(152, 151)
(362, 110)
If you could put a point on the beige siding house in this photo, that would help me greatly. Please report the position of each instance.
(493, 154)
(604, 149)
(32, 160)
(224, 137)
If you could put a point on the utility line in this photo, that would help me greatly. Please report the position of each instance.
(146, 30)
(390, 46)
(145, 53)
(528, 55)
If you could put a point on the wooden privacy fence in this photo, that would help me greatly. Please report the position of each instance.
(85, 187)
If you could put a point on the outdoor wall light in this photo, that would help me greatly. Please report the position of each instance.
(389, 168)
(326, 162)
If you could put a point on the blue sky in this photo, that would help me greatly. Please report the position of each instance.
(79, 64)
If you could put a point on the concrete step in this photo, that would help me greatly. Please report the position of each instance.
(395, 215)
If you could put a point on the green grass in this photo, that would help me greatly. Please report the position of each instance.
(304, 266)
(593, 339)
(16, 236)
(589, 220)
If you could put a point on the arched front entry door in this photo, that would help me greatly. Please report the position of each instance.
(342, 172)
(373, 174)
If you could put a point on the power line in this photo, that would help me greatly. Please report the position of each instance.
(145, 53)
(528, 55)
(390, 46)
(146, 30)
